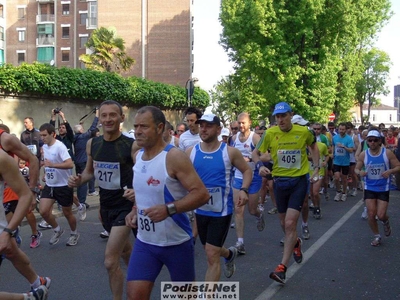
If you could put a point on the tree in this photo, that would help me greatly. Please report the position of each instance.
(304, 52)
(372, 84)
(108, 52)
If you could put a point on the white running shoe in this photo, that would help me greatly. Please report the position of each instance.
(82, 212)
(364, 214)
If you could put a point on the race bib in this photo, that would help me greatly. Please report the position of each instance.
(215, 202)
(340, 151)
(108, 175)
(375, 171)
(147, 228)
(51, 178)
(289, 159)
(33, 149)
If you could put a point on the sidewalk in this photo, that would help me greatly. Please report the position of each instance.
(93, 201)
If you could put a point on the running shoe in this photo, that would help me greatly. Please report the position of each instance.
(73, 239)
(233, 225)
(260, 222)
(353, 192)
(93, 194)
(56, 237)
(297, 254)
(317, 213)
(40, 293)
(386, 228)
(279, 275)
(240, 248)
(376, 241)
(35, 240)
(344, 197)
(305, 232)
(282, 241)
(230, 266)
(364, 214)
(273, 211)
(338, 196)
(322, 190)
(104, 234)
(44, 225)
(331, 184)
(82, 212)
(311, 206)
(46, 281)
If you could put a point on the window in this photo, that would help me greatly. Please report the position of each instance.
(83, 18)
(390, 117)
(92, 20)
(1, 11)
(45, 29)
(1, 33)
(65, 9)
(373, 118)
(84, 40)
(64, 55)
(21, 12)
(45, 54)
(21, 35)
(65, 32)
(21, 57)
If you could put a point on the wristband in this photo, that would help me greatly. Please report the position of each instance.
(259, 164)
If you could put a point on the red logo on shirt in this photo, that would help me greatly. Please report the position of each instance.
(153, 181)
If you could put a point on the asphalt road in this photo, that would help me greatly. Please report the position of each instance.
(339, 262)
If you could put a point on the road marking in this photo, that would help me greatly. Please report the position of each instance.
(270, 291)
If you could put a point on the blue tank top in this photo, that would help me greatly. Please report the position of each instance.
(153, 186)
(375, 166)
(214, 169)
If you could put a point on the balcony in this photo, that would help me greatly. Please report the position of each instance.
(45, 19)
(45, 41)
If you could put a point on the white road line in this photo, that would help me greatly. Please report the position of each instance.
(270, 291)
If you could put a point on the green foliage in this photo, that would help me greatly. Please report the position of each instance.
(376, 65)
(108, 52)
(304, 52)
(42, 80)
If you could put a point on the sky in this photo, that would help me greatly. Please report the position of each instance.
(211, 62)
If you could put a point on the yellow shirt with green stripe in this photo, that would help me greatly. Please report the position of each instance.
(288, 149)
(323, 152)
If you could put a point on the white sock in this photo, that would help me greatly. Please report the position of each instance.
(241, 240)
(36, 283)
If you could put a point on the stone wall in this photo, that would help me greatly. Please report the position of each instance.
(13, 110)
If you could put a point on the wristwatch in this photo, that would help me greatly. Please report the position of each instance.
(12, 233)
(171, 209)
(246, 190)
(35, 190)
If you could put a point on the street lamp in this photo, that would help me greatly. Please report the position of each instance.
(190, 84)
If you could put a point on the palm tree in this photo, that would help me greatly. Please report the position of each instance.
(108, 52)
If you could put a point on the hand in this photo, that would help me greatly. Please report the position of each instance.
(264, 171)
(129, 194)
(74, 180)
(61, 114)
(131, 218)
(243, 198)
(47, 163)
(157, 213)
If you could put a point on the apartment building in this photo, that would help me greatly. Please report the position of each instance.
(158, 34)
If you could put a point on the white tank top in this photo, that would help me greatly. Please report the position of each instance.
(153, 186)
(246, 148)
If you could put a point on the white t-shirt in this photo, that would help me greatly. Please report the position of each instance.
(187, 139)
(56, 153)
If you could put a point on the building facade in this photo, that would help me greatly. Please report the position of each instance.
(158, 34)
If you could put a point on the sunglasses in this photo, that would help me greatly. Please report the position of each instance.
(234, 128)
(373, 140)
(317, 128)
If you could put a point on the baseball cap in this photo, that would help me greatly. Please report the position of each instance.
(225, 132)
(209, 118)
(374, 133)
(281, 108)
(297, 119)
